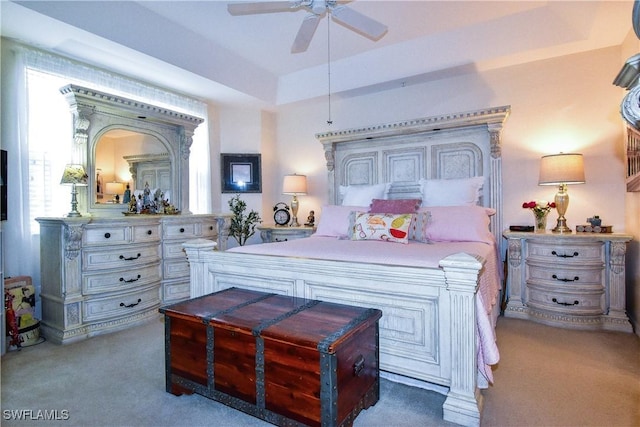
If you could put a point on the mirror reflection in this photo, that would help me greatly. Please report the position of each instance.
(125, 162)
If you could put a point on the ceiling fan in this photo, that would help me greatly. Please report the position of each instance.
(317, 9)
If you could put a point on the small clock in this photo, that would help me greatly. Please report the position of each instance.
(281, 214)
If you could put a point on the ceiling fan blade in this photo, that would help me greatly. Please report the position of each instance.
(358, 22)
(249, 8)
(305, 33)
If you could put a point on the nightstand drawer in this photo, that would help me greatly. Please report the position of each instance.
(565, 276)
(573, 253)
(583, 302)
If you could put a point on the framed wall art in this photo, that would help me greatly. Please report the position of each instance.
(241, 173)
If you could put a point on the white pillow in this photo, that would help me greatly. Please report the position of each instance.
(459, 224)
(362, 195)
(334, 221)
(451, 192)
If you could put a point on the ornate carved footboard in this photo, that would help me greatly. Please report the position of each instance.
(428, 328)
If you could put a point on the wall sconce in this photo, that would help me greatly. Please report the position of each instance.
(294, 185)
(562, 169)
(115, 189)
(74, 175)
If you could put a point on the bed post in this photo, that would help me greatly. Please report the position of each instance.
(463, 404)
(195, 250)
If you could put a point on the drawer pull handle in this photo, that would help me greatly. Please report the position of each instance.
(281, 240)
(182, 230)
(358, 366)
(565, 303)
(130, 305)
(575, 254)
(107, 235)
(130, 280)
(130, 258)
(149, 232)
(211, 227)
(575, 279)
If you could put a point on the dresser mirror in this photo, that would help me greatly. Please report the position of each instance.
(129, 142)
(127, 160)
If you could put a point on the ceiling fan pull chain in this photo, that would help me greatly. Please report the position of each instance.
(329, 121)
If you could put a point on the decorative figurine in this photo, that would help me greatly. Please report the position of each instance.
(127, 195)
(310, 219)
(146, 197)
(133, 205)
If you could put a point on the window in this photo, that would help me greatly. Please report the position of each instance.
(50, 139)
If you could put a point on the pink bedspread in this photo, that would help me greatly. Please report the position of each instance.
(414, 254)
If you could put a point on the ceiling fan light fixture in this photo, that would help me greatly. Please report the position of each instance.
(317, 9)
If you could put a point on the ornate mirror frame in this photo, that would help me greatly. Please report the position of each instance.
(95, 113)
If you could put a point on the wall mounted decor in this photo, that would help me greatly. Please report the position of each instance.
(241, 173)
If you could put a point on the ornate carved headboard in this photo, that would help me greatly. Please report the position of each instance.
(451, 146)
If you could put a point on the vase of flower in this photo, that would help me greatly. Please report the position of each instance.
(540, 221)
(540, 210)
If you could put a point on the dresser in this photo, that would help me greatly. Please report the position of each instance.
(278, 233)
(572, 280)
(105, 274)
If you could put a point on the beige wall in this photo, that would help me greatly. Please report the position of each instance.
(563, 104)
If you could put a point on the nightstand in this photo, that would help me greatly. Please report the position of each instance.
(572, 280)
(278, 233)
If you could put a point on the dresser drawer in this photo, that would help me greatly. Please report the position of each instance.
(107, 235)
(121, 305)
(119, 235)
(173, 249)
(582, 302)
(122, 258)
(564, 276)
(186, 230)
(120, 280)
(176, 291)
(209, 229)
(176, 269)
(146, 233)
(570, 253)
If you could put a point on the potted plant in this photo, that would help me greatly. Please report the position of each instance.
(242, 226)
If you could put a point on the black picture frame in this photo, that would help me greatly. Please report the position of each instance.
(241, 173)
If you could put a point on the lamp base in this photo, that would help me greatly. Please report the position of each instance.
(561, 226)
(294, 212)
(74, 203)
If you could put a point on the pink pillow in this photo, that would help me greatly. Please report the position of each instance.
(459, 224)
(334, 220)
(397, 206)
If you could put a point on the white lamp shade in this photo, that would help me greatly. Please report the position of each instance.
(74, 174)
(114, 188)
(561, 168)
(294, 184)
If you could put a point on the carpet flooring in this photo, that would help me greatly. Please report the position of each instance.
(546, 377)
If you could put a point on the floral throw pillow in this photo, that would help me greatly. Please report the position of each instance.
(385, 227)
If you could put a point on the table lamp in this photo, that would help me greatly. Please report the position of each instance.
(294, 185)
(75, 175)
(561, 169)
(114, 188)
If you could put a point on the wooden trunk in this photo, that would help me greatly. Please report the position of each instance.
(286, 360)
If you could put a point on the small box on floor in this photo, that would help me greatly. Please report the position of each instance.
(23, 329)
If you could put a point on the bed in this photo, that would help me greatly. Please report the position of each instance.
(437, 280)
